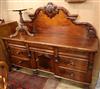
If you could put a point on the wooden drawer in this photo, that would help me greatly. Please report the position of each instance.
(73, 53)
(73, 63)
(17, 51)
(14, 42)
(74, 75)
(19, 62)
(40, 46)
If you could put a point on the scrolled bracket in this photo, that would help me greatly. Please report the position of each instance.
(91, 30)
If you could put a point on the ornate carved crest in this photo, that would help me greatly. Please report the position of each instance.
(51, 10)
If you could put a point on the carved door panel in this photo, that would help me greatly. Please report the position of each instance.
(44, 62)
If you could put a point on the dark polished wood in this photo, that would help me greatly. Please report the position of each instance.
(61, 45)
(6, 28)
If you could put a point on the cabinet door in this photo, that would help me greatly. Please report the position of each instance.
(73, 68)
(44, 61)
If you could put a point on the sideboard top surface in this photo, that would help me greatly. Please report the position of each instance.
(61, 41)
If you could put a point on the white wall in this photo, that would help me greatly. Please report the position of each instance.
(3, 10)
(87, 11)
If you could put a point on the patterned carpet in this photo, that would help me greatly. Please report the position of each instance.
(19, 80)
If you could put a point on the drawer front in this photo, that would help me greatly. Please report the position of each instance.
(20, 52)
(73, 63)
(20, 43)
(20, 62)
(73, 53)
(40, 46)
(74, 75)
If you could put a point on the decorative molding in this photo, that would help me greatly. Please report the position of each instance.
(75, 1)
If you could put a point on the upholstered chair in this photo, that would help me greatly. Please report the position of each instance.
(3, 75)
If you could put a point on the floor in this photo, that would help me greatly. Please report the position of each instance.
(62, 85)
(98, 82)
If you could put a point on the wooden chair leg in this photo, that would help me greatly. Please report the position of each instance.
(4, 74)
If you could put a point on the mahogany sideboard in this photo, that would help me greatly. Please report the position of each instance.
(61, 45)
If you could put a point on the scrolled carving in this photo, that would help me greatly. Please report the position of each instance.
(91, 30)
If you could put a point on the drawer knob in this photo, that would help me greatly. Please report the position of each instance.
(57, 59)
(19, 62)
(72, 75)
(37, 59)
(19, 52)
(71, 63)
(90, 66)
(29, 54)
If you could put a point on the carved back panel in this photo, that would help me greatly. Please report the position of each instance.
(52, 19)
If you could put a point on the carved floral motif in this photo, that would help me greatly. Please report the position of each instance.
(51, 10)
